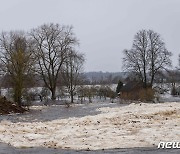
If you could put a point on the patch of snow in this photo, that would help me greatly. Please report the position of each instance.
(134, 125)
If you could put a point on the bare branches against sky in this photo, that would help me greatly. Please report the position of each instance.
(104, 27)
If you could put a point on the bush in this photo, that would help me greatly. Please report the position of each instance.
(142, 94)
(146, 94)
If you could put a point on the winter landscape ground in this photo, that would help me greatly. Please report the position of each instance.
(95, 127)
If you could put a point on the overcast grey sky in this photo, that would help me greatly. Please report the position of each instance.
(104, 27)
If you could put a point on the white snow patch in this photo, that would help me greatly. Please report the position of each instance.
(135, 125)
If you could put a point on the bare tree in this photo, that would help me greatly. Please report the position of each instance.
(147, 56)
(16, 61)
(72, 70)
(51, 44)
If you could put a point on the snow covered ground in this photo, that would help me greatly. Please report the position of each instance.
(109, 126)
(169, 98)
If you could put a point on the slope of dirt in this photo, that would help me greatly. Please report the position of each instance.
(7, 107)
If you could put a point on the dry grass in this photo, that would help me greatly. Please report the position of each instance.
(166, 113)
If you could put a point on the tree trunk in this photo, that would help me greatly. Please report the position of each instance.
(18, 92)
(152, 79)
(53, 94)
(145, 79)
(17, 96)
(72, 97)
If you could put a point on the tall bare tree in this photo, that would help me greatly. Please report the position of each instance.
(16, 61)
(147, 56)
(52, 43)
(71, 72)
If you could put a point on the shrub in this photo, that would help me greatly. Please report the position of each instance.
(146, 94)
(142, 94)
(119, 86)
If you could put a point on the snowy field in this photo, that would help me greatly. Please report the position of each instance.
(106, 126)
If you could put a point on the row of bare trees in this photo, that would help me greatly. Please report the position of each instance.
(48, 51)
(90, 92)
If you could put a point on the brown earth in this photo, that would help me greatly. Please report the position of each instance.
(7, 107)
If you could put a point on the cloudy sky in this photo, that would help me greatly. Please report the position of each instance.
(104, 27)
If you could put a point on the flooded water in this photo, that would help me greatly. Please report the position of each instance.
(53, 112)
